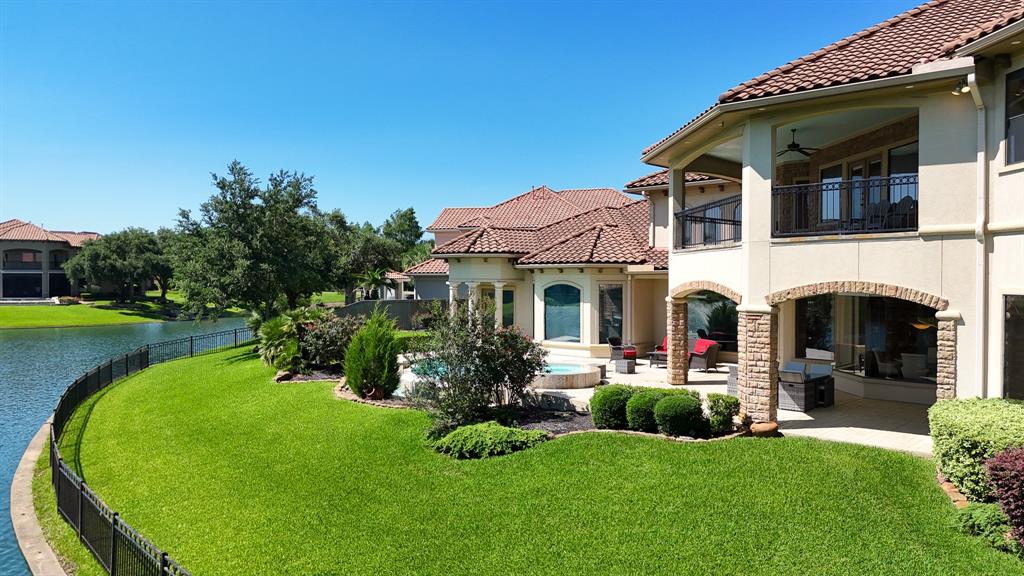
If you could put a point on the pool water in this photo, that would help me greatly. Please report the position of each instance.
(563, 369)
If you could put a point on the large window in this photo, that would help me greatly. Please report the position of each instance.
(903, 161)
(609, 311)
(869, 336)
(1013, 347)
(508, 307)
(23, 260)
(562, 313)
(1015, 117)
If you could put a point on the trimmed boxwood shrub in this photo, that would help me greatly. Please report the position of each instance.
(640, 409)
(680, 415)
(608, 406)
(487, 439)
(371, 361)
(966, 433)
(1006, 472)
(722, 408)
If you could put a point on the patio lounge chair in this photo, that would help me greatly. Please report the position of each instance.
(618, 351)
(660, 354)
(705, 355)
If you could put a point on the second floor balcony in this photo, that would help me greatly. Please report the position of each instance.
(713, 224)
(863, 206)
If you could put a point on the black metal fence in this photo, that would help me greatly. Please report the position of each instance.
(118, 547)
(846, 207)
(711, 224)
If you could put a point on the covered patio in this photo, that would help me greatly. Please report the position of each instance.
(899, 426)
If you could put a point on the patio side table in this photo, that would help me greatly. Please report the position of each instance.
(625, 366)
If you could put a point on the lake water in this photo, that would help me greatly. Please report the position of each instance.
(35, 367)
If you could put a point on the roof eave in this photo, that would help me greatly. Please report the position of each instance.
(990, 40)
(921, 73)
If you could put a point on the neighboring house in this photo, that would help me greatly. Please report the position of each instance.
(33, 260)
(879, 220)
(570, 268)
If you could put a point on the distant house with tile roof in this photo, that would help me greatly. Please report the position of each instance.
(570, 267)
(33, 259)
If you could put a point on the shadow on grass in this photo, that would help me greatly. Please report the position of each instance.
(74, 431)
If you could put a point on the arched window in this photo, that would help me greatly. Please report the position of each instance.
(562, 313)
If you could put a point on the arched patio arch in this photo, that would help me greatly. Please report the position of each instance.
(687, 288)
(759, 335)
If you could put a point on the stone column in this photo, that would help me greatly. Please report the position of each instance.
(945, 377)
(678, 346)
(758, 374)
(499, 298)
(474, 296)
(45, 266)
(453, 297)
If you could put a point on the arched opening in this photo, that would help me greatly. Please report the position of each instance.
(562, 313)
(713, 316)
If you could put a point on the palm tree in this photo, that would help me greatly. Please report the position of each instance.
(374, 280)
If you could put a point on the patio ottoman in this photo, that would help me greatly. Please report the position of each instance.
(625, 366)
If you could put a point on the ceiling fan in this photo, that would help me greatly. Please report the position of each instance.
(795, 147)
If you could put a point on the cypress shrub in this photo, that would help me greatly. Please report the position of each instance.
(608, 406)
(680, 415)
(966, 433)
(371, 362)
(640, 409)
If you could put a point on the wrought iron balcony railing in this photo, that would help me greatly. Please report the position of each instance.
(710, 224)
(846, 207)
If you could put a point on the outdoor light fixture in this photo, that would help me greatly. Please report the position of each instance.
(961, 88)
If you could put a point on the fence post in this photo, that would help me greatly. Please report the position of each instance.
(113, 544)
(125, 364)
(81, 484)
(60, 462)
(191, 345)
(163, 563)
(236, 337)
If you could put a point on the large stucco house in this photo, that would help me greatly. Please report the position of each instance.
(880, 218)
(33, 260)
(861, 206)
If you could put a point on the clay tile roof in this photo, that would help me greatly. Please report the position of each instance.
(26, 231)
(431, 267)
(76, 239)
(926, 33)
(538, 207)
(397, 276)
(450, 218)
(660, 178)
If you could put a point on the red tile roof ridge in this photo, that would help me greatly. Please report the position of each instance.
(827, 49)
(430, 266)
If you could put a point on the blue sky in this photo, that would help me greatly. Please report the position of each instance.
(114, 115)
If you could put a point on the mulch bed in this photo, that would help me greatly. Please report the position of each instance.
(343, 392)
(553, 422)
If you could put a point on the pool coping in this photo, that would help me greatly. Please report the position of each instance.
(40, 557)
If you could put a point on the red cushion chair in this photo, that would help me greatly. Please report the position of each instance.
(663, 347)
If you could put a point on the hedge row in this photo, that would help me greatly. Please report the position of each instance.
(966, 433)
(674, 412)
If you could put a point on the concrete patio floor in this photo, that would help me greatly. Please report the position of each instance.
(892, 425)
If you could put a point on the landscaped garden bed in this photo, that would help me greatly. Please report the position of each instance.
(234, 474)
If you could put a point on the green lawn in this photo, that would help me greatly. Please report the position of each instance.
(328, 298)
(95, 311)
(233, 474)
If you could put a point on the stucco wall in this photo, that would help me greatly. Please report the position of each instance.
(429, 287)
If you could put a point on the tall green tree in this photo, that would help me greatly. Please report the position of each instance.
(161, 265)
(125, 259)
(418, 253)
(403, 227)
(254, 245)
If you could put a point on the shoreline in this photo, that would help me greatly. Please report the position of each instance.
(36, 550)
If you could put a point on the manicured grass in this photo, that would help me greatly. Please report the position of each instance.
(75, 315)
(96, 311)
(233, 474)
(328, 298)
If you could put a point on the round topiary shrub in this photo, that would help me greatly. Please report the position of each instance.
(487, 439)
(608, 406)
(680, 415)
(640, 410)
